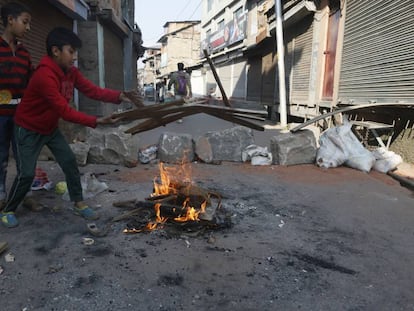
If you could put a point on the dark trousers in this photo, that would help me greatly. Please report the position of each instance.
(6, 139)
(28, 147)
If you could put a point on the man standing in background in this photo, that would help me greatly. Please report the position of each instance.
(182, 83)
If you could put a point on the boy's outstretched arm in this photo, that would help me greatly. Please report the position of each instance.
(111, 119)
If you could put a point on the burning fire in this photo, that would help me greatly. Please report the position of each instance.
(174, 187)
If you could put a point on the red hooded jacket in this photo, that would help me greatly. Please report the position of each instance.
(48, 94)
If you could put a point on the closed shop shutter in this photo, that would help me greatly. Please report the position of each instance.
(301, 63)
(114, 65)
(44, 17)
(224, 73)
(114, 61)
(269, 65)
(298, 52)
(378, 55)
(254, 78)
(239, 79)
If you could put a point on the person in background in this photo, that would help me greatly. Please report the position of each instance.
(46, 100)
(162, 90)
(15, 71)
(182, 83)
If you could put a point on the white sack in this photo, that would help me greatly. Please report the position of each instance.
(257, 155)
(386, 160)
(338, 145)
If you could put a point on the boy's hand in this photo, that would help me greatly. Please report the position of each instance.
(132, 97)
(111, 119)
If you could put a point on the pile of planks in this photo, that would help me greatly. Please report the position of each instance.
(157, 115)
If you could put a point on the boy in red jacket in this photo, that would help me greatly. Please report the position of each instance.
(45, 101)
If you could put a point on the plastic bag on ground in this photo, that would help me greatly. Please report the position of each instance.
(147, 154)
(257, 155)
(91, 186)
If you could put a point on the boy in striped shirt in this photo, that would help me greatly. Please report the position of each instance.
(15, 71)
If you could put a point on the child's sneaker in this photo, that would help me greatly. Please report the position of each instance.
(8, 219)
(86, 212)
(32, 204)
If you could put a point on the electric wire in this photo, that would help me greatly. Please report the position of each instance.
(182, 10)
(195, 10)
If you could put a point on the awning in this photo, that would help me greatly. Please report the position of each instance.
(108, 17)
(76, 9)
(294, 14)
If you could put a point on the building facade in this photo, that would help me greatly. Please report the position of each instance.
(111, 41)
(223, 36)
(337, 52)
(152, 64)
(180, 43)
(112, 47)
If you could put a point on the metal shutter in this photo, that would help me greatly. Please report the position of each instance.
(254, 78)
(301, 63)
(269, 67)
(44, 18)
(378, 52)
(224, 74)
(239, 80)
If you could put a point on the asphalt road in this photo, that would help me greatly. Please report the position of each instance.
(301, 238)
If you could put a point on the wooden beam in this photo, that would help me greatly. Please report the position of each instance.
(216, 77)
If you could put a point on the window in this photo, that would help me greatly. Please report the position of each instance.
(237, 13)
(220, 25)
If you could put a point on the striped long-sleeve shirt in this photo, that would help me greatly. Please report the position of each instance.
(15, 71)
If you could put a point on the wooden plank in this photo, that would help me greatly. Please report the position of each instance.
(148, 112)
(154, 123)
(160, 115)
(233, 119)
(216, 77)
(234, 110)
(245, 116)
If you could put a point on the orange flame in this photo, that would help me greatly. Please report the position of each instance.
(191, 212)
(165, 185)
(173, 181)
(159, 219)
(166, 181)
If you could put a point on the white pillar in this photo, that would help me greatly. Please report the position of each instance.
(281, 63)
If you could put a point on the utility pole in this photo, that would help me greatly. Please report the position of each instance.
(281, 63)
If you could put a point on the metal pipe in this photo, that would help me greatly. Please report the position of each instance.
(281, 63)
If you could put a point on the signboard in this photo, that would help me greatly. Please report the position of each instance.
(232, 32)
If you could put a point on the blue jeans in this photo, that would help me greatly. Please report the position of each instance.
(6, 139)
